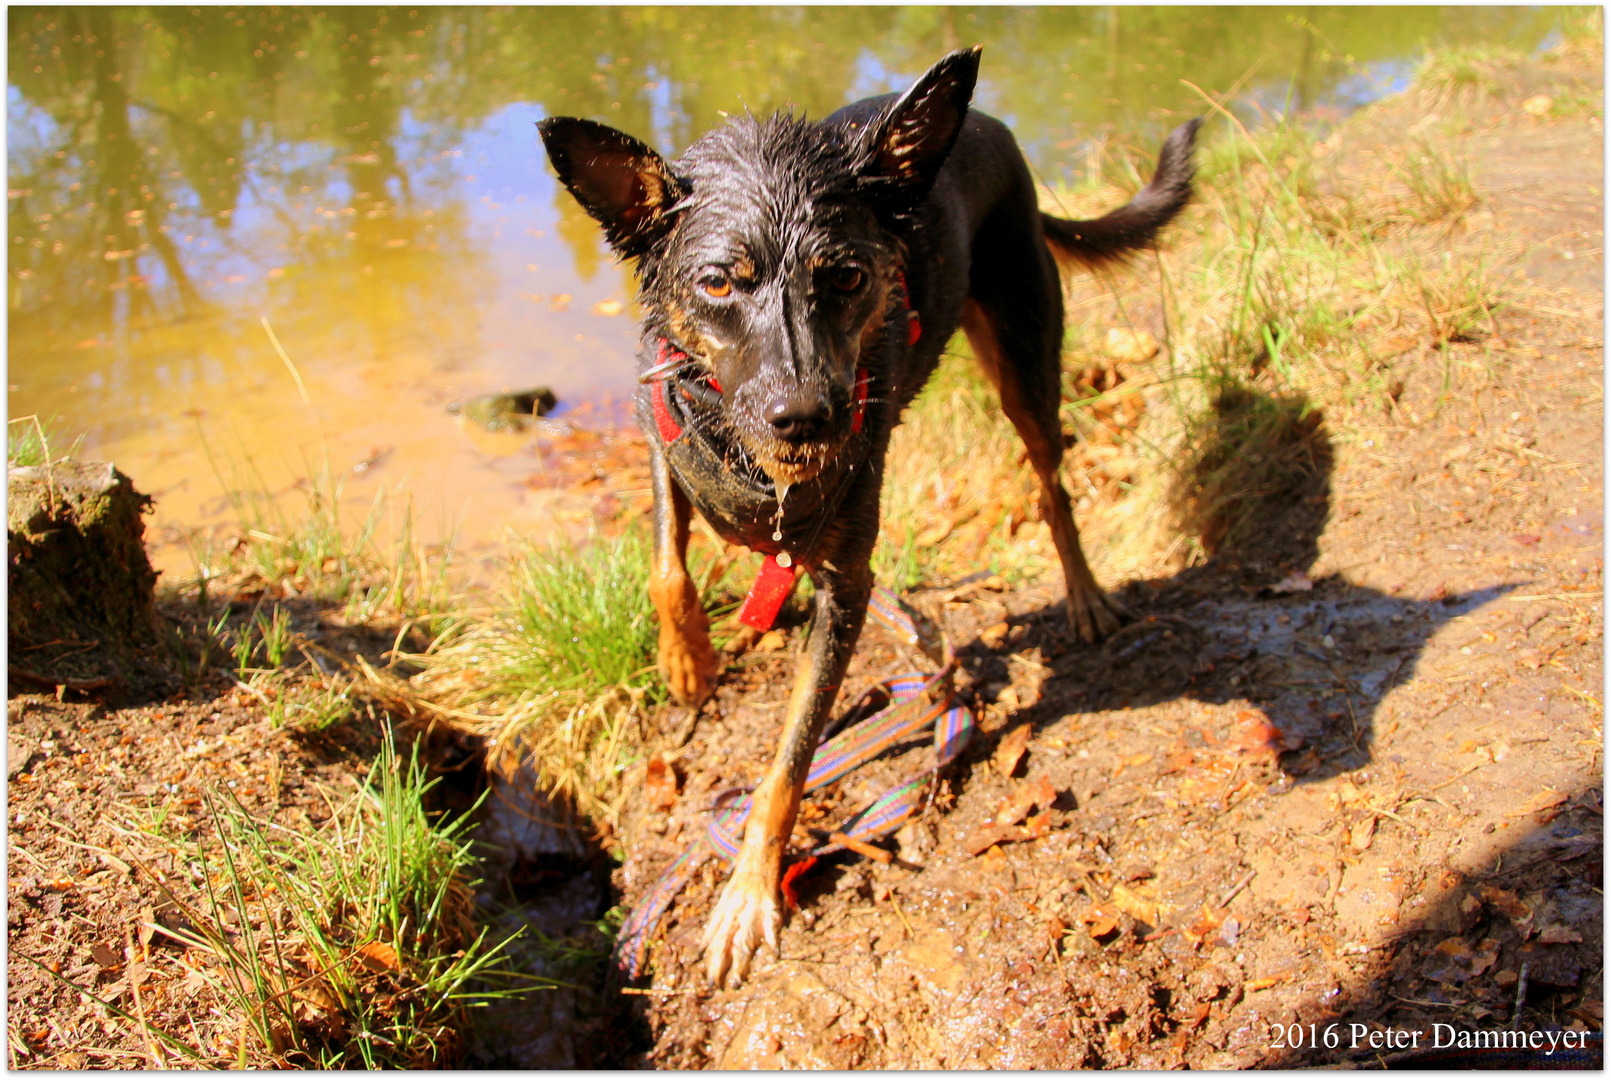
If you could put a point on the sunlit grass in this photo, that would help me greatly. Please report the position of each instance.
(30, 442)
(349, 947)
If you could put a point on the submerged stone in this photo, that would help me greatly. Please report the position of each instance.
(506, 411)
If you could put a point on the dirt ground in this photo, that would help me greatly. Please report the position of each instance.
(1351, 773)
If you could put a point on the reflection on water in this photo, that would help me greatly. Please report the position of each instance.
(369, 181)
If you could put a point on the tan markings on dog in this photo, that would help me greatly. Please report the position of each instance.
(687, 661)
(744, 269)
(686, 332)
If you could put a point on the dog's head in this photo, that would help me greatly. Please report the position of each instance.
(771, 250)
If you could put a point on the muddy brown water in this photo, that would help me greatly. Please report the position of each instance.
(369, 182)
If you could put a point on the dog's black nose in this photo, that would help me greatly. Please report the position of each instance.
(798, 417)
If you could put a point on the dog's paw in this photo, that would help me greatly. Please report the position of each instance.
(688, 665)
(747, 914)
(1093, 614)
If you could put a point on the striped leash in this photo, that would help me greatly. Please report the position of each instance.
(907, 714)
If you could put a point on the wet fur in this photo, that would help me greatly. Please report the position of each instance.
(786, 211)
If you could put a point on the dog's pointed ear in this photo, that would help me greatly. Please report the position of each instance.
(627, 187)
(902, 150)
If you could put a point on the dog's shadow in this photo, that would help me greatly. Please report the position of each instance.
(1317, 657)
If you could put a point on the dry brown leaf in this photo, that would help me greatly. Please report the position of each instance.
(1099, 922)
(1360, 836)
(1133, 904)
(1559, 934)
(660, 783)
(377, 956)
(1031, 793)
(1544, 800)
(1258, 738)
(1011, 750)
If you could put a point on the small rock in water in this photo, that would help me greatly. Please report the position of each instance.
(506, 411)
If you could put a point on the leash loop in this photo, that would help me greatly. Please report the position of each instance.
(907, 714)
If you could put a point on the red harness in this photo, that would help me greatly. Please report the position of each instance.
(775, 581)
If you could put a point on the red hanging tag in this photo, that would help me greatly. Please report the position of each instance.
(772, 587)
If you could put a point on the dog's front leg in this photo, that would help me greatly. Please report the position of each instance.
(687, 662)
(748, 911)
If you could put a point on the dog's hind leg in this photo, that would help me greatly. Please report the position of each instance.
(748, 912)
(1017, 339)
(687, 662)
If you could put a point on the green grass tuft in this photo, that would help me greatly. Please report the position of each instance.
(350, 948)
(580, 620)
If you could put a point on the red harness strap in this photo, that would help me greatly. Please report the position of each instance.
(772, 587)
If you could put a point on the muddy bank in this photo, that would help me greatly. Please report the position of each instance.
(1348, 772)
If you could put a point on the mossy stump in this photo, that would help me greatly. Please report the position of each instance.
(79, 608)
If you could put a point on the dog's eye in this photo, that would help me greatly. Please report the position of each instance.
(717, 285)
(847, 279)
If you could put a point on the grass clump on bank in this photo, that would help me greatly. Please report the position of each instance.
(558, 674)
(349, 947)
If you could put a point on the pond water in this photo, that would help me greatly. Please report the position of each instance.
(368, 184)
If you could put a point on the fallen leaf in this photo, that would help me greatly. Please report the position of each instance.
(1009, 751)
(988, 835)
(1098, 921)
(377, 956)
(1455, 961)
(1260, 739)
(1135, 905)
(1360, 836)
(1031, 793)
(1545, 800)
(108, 958)
(1558, 934)
(660, 783)
(1208, 922)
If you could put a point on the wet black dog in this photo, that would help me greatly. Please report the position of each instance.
(800, 280)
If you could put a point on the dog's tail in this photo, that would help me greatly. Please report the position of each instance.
(1132, 226)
